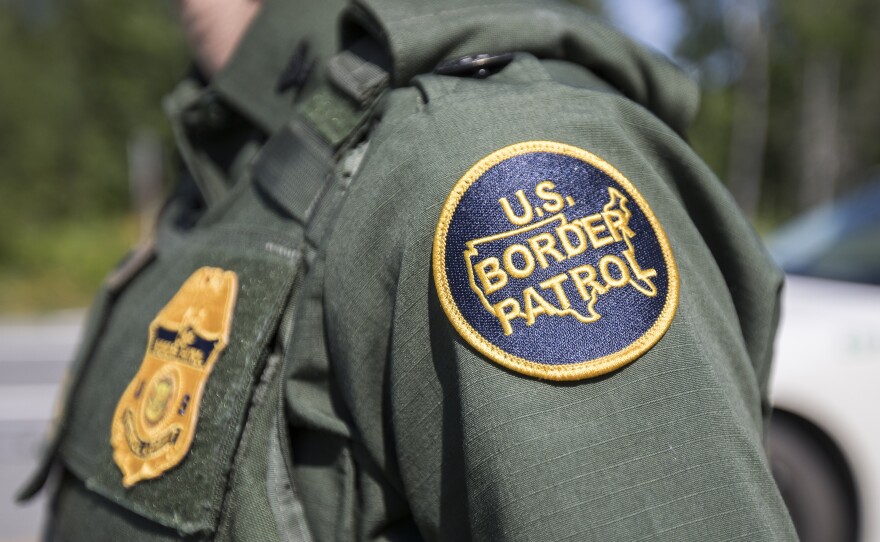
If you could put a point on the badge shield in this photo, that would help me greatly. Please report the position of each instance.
(155, 419)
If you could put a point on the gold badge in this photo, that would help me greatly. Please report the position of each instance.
(155, 420)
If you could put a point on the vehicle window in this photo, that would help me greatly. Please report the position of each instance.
(853, 257)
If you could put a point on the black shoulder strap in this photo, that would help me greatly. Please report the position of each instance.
(295, 164)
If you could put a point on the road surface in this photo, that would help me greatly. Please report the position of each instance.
(34, 354)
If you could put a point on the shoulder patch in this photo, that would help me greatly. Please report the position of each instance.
(548, 261)
(155, 419)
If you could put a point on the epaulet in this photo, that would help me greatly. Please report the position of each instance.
(294, 165)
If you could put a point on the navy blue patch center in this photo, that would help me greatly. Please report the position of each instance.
(553, 259)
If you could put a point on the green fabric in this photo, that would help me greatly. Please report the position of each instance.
(250, 79)
(666, 448)
(213, 141)
(81, 514)
(247, 514)
(422, 33)
(346, 406)
(292, 168)
(263, 280)
(332, 114)
(243, 235)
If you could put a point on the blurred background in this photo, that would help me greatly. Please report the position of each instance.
(790, 121)
(789, 116)
(82, 81)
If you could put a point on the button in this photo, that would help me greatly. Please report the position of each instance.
(208, 114)
(298, 69)
(215, 113)
(479, 66)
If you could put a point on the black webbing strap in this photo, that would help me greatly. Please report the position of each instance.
(292, 167)
(295, 164)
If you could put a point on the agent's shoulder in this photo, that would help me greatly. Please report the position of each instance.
(430, 133)
(533, 124)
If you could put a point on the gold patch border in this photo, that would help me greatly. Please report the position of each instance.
(570, 371)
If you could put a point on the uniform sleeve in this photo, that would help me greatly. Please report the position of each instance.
(667, 446)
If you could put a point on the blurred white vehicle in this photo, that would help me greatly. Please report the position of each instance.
(825, 438)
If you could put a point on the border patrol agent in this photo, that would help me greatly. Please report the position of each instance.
(463, 279)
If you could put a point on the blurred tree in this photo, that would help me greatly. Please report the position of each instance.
(834, 47)
(80, 78)
(744, 23)
(594, 6)
(728, 43)
(791, 96)
(78, 83)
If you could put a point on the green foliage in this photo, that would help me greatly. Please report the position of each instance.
(61, 265)
(817, 24)
(707, 134)
(801, 34)
(593, 6)
(80, 77)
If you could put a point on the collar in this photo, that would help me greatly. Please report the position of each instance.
(421, 33)
(249, 81)
(245, 94)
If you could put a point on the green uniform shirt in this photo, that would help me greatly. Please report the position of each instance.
(346, 403)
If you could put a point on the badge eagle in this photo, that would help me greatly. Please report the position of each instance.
(155, 419)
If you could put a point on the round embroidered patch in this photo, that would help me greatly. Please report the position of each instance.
(549, 261)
